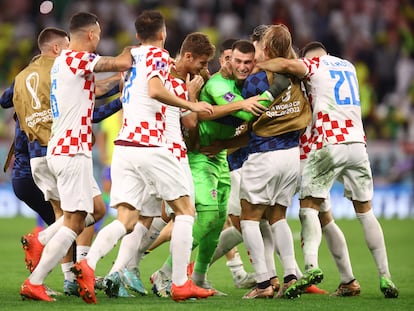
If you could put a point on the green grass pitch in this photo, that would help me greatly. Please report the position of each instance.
(400, 247)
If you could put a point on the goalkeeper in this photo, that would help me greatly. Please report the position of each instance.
(211, 173)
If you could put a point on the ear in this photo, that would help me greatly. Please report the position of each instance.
(188, 56)
(90, 34)
(56, 49)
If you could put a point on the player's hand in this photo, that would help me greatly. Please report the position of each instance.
(253, 105)
(194, 85)
(201, 107)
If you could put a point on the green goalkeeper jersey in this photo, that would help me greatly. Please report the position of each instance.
(220, 91)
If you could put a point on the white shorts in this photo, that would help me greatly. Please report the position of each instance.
(326, 204)
(271, 177)
(347, 163)
(187, 171)
(76, 185)
(138, 172)
(233, 207)
(46, 180)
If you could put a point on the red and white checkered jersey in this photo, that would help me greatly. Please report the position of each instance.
(144, 117)
(72, 98)
(173, 131)
(333, 92)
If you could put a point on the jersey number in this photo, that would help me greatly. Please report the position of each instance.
(53, 101)
(346, 81)
(130, 77)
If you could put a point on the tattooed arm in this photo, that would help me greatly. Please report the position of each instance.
(122, 62)
(105, 85)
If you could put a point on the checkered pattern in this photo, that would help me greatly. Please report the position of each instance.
(255, 84)
(333, 123)
(158, 60)
(21, 164)
(144, 120)
(331, 131)
(74, 93)
(145, 135)
(178, 151)
(305, 145)
(78, 62)
(75, 141)
(179, 88)
(173, 131)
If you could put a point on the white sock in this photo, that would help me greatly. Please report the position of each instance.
(67, 274)
(311, 235)
(282, 236)
(337, 246)
(166, 269)
(374, 238)
(269, 247)
(89, 220)
(152, 234)
(236, 266)
(53, 252)
(180, 245)
(229, 238)
(299, 273)
(81, 252)
(105, 241)
(129, 247)
(46, 234)
(254, 244)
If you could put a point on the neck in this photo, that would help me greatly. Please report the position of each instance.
(179, 71)
(157, 43)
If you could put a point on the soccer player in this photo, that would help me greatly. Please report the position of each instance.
(22, 180)
(161, 277)
(69, 159)
(338, 152)
(143, 165)
(211, 173)
(273, 142)
(195, 52)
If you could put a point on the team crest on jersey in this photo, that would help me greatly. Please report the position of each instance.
(160, 65)
(229, 96)
(214, 194)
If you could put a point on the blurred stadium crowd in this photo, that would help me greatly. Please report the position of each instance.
(376, 35)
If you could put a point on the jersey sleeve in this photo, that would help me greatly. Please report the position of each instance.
(158, 63)
(311, 65)
(82, 63)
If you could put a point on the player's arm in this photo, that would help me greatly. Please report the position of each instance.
(110, 84)
(284, 65)
(6, 99)
(228, 103)
(122, 62)
(156, 90)
(104, 111)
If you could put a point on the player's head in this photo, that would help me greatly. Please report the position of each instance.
(277, 42)
(196, 50)
(258, 32)
(242, 59)
(313, 49)
(255, 37)
(225, 51)
(51, 41)
(150, 26)
(84, 28)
